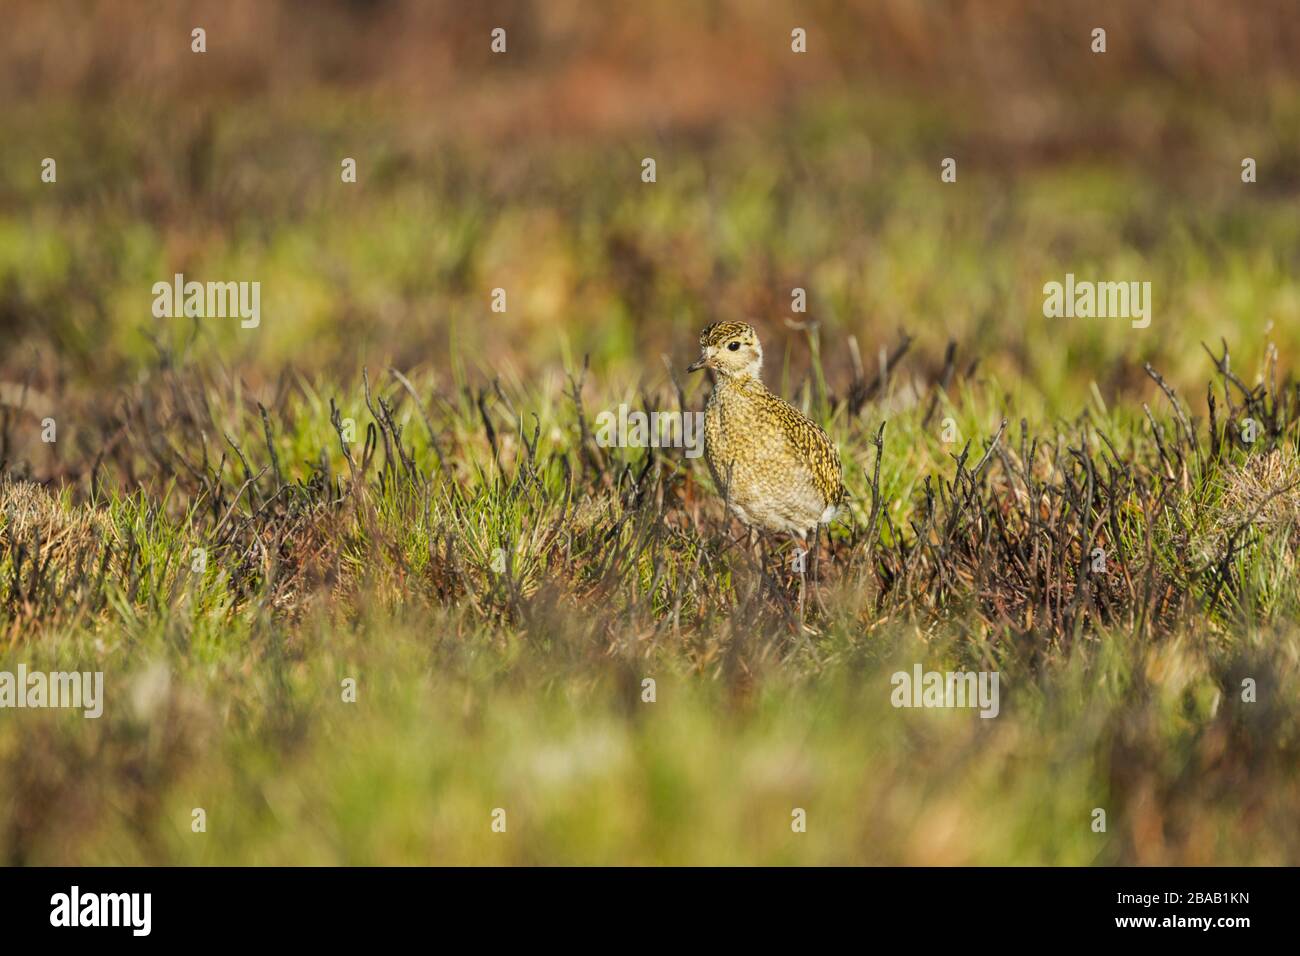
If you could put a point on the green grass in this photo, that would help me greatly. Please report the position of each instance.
(521, 688)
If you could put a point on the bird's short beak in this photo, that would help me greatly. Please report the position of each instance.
(699, 363)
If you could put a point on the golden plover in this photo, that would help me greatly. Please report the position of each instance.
(776, 468)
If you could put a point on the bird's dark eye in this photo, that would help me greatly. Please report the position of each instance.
(733, 346)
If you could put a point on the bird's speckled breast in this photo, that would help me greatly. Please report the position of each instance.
(777, 469)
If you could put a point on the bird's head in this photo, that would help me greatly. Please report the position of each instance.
(731, 349)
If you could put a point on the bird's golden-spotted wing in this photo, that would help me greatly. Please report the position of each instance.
(814, 447)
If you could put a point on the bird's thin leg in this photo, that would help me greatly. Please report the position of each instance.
(758, 564)
(816, 549)
(748, 552)
(801, 544)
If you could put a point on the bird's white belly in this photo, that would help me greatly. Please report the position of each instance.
(781, 513)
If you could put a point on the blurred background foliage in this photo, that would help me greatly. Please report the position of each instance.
(522, 171)
(775, 170)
